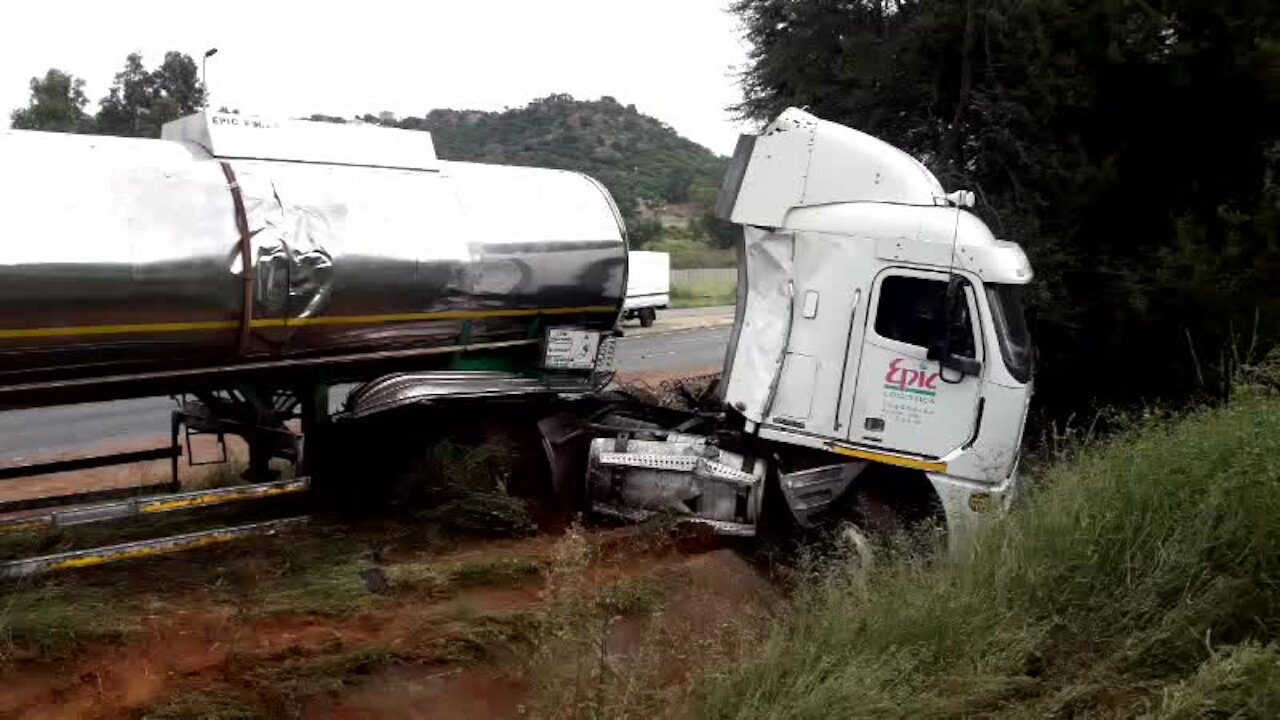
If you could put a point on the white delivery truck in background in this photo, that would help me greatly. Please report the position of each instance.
(648, 285)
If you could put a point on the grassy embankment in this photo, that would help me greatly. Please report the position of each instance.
(710, 294)
(1141, 578)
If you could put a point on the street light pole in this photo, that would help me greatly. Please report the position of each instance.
(203, 75)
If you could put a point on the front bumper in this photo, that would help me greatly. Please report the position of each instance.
(967, 504)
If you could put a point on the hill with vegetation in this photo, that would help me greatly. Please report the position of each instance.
(640, 158)
(665, 185)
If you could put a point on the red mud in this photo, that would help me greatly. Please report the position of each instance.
(193, 643)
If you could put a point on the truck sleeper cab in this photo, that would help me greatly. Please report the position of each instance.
(878, 323)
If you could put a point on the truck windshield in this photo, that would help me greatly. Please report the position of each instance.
(1011, 327)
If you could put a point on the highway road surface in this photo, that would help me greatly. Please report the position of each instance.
(682, 339)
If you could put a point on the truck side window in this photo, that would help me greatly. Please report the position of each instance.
(908, 312)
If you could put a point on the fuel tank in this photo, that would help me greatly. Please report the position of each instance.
(240, 242)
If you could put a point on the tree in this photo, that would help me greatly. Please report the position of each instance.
(122, 111)
(643, 233)
(140, 102)
(178, 79)
(57, 104)
(1126, 145)
(676, 188)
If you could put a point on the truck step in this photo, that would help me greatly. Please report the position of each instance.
(91, 557)
(154, 505)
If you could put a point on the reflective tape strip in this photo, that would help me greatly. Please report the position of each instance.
(887, 459)
(218, 325)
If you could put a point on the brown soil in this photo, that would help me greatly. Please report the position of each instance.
(427, 659)
(198, 642)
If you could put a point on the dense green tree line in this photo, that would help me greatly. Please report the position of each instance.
(138, 103)
(1131, 147)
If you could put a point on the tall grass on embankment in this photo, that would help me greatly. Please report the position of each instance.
(705, 294)
(1141, 579)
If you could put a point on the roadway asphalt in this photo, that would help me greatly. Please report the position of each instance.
(26, 434)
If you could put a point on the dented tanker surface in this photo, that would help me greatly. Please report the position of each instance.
(129, 256)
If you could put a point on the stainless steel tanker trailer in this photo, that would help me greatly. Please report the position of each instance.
(878, 366)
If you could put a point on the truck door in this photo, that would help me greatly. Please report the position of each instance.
(902, 400)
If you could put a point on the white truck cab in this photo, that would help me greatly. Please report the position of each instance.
(853, 255)
(879, 325)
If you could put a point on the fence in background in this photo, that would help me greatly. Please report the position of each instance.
(703, 276)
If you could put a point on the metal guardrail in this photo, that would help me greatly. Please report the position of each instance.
(140, 506)
(154, 505)
(13, 472)
(92, 557)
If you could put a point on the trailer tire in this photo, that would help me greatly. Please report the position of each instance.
(647, 316)
(890, 508)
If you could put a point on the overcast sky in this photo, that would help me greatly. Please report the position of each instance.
(674, 59)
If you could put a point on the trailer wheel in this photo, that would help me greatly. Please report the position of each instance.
(854, 543)
(647, 316)
(887, 510)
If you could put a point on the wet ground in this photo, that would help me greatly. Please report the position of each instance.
(593, 623)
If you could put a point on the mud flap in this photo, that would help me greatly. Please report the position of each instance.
(683, 475)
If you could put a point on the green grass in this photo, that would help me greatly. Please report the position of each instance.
(310, 675)
(631, 596)
(203, 705)
(706, 294)
(1142, 578)
(687, 252)
(51, 621)
(309, 585)
(495, 573)
(1239, 682)
(471, 637)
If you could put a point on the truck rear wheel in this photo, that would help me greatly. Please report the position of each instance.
(647, 316)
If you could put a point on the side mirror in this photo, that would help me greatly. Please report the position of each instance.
(967, 367)
(941, 349)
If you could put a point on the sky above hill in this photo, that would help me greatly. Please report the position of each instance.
(673, 59)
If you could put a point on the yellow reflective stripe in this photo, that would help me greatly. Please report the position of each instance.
(24, 526)
(219, 498)
(136, 553)
(25, 333)
(446, 315)
(897, 460)
(19, 333)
